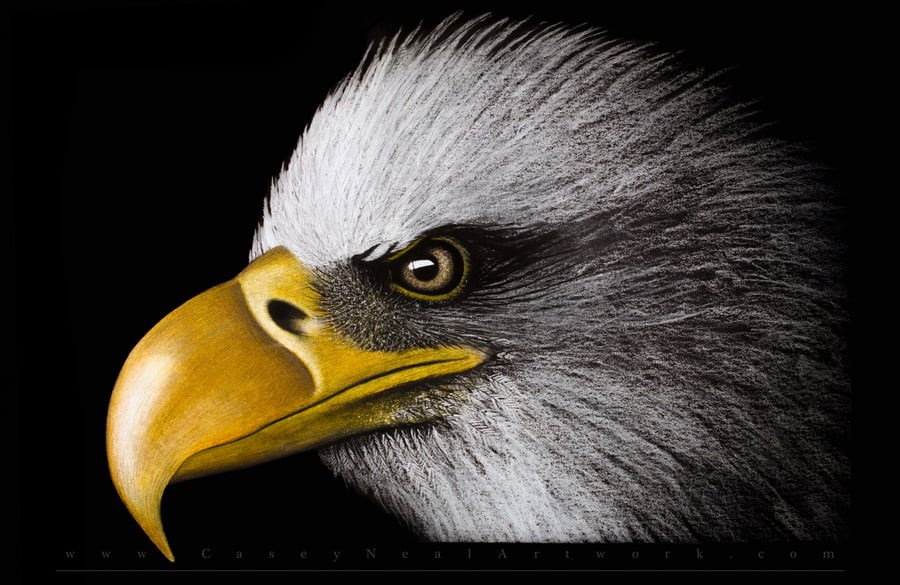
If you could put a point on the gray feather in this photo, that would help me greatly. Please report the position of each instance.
(671, 362)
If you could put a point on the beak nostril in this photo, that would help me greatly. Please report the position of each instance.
(287, 316)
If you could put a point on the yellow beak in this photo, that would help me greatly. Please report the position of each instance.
(247, 372)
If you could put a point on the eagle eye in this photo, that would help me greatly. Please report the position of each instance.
(433, 269)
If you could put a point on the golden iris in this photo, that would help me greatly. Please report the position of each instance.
(433, 269)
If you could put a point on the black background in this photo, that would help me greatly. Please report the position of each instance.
(145, 137)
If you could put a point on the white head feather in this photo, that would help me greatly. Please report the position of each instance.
(681, 380)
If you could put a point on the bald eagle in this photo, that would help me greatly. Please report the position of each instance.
(522, 282)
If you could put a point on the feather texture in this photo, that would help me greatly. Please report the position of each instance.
(671, 366)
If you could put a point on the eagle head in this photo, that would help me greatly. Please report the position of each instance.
(520, 282)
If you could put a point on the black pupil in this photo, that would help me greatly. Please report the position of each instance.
(425, 269)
